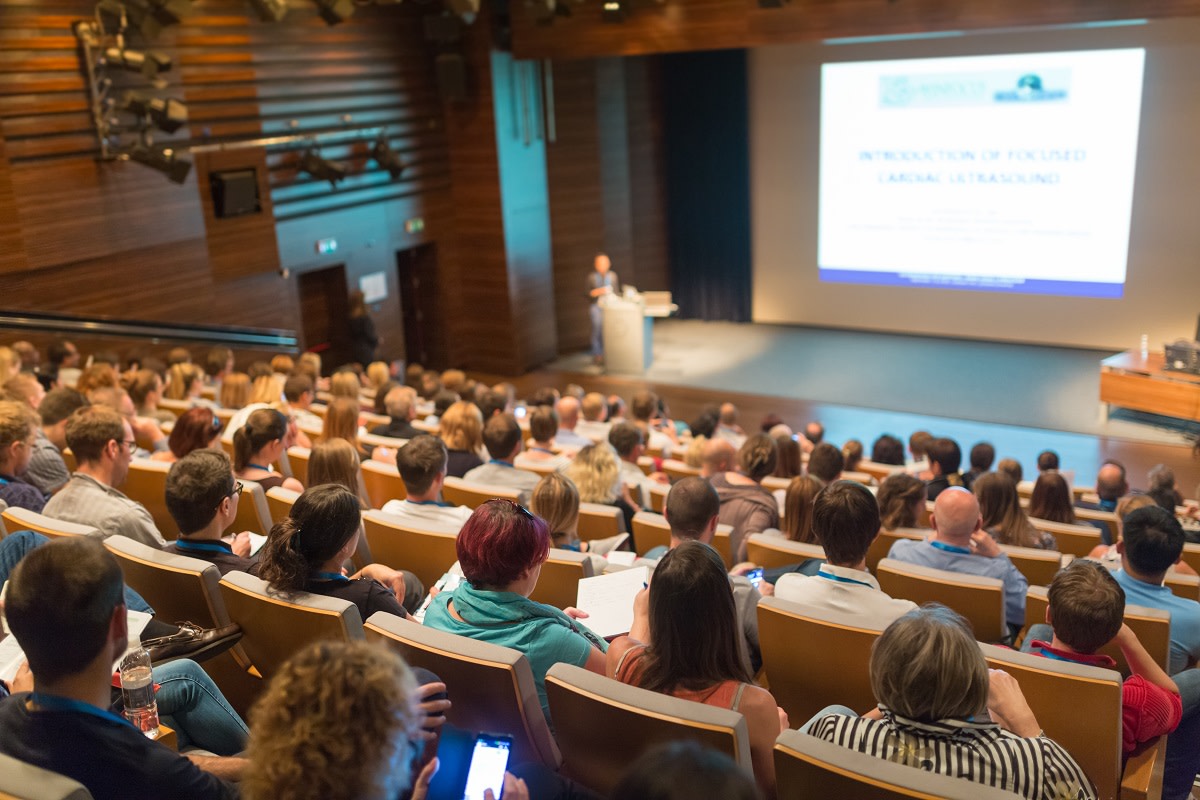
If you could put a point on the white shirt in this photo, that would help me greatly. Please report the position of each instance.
(498, 473)
(427, 514)
(569, 438)
(555, 461)
(632, 476)
(844, 590)
(596, 431)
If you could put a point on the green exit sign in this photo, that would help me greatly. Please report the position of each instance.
(414, 225)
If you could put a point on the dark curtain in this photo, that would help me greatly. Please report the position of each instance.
(708, 183)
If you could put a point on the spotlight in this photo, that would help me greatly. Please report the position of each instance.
(387, 158)
(165, 161)
(167, 114)
(615, 10)
(334, 11)
(151, 16)
(318, 167)
(150, 63)
(270, 10)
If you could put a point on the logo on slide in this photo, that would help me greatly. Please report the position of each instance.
(943, 90)
(1031, 89)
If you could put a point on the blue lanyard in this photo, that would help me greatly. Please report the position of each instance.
(258, 466)
(50, 702)
(331, 576)
(545, 450)
(830, 577)
(501, 463)
(428, 503)
(950, 548)
(208, 547)
(4, 481)
(1054, 656)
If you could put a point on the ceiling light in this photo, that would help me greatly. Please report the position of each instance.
(150, 63)
(165, 161)
(387, 158)
(614, 11)
(167, 114)
(318, 167)
(335, 11)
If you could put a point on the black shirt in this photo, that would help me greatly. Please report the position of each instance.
(112, 759)
(460, 462)
(396, 429)
(219, 553)
(370, 596)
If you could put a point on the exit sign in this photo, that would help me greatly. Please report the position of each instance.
(414, 225)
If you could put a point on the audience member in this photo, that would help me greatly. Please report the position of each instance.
(1047, 460)
(1111, 486)
(18, 432)
(299, 395)
(596, 473)
(683, 771)
(502, 438)
(901, 500)
(814, 432)
(568, 419)
(944, 460)
(258, 446)
(788, 459)
(145, 389)
(378, 374)
(218, 363)
(27, 357)
(825, 463)
(336, 461)
(626, 439)
(24, 388)
(887, 449)
(681, 644)
(202, 497)
(745, 504)
(918, 463)
(718, 456)
(594, 425)
(422, 467)
(1107, 553)
(1010, 467)
(235, 391)
(345, 383)
(46, 469)
(185, 383)
(62, 355)
(644, 408)
(341, 422)
(543, 424)
(930, 678)
(797, 509)
(852, 455)
(196, 428)
(693, 456)
(98, 376)
(493, 402)
(727, 425)
(1162, 487)
(981, 458)
(401, 407)
(1051, 499)
(1003, 516)
(461, 428)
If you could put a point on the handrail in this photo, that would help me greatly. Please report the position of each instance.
(37, 322)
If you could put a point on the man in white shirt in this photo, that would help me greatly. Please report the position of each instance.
(422, 466)
(626, 439)
(595, 411)
(644, 410)
(728, 428)
(845, 518)
(543, 424)
(568, 418)
(502, 438)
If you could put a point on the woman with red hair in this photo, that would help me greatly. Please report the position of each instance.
(195, 429)
(501, 549)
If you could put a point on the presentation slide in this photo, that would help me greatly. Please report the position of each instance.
(1007, 173)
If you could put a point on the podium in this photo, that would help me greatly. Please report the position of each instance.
(629, 329)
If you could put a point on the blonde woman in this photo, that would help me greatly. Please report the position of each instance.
(282, 365)
(1003, 516)
(186, 382)
(595, 471)
(461, 429)
(235, 390)
(145, 389)
(341, 422)
(345, 384)
(377, 375)
(10, 363)
(556, 500)
(267, 389)
(335, 461)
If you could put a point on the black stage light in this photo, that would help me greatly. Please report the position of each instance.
(270, 10)
(387, 158)
(165, 161)
(334, 11)
(319, 167)
(167, 114)
(150, 63)
(149, 17)
(614, 10)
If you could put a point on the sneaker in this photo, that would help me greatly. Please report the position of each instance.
(602, 547)
(192, 642)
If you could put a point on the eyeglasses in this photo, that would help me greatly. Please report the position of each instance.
(131, 444)
(237, 488)
(524, 511)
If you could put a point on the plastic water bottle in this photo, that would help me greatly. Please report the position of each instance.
(137, 691)
(1145, 347)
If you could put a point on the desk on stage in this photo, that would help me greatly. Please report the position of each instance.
(1130, 381)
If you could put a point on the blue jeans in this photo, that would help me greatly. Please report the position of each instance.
(1183, 746)
(17, 545)
(596, 314)
(191, 703)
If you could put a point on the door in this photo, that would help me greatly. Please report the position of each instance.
(324, 315)
(421, 304)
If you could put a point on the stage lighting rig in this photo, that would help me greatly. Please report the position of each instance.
(165, 161)
(270, 10)
(387, 158)
(615, 11)
(312, 163)
(334, 11)
(149, 17)
(165, 113)
(150, 63)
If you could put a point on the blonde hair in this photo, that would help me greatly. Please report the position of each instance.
(694, 455)
(556, 500)
(180, 379)
(97, 376)
(345, 384)
(330, 724)
(378, 374)
(267, 389)
(18, 422)
(310, 365)
(10, 363)
(461, 427)
(282, 364)
(1128, 503)
(594, 471)
(235, 390)
(341, 421)
(454, 380)
(334, 461)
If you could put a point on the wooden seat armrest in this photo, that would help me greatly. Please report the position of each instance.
(1143, 776)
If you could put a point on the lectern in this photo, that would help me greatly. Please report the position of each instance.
(628, 335)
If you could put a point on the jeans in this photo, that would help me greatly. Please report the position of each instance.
(844, 711)
(17, 545)
(1183, 746)
(191, 703)
(596, 314)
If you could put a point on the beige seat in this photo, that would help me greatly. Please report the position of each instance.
(646, 465)
(253, 513)
(603, 725)
(1052, 687)
(980, 600)
(598, 521)
(472, 495)
(373, 441)
(1038, 566)
(1191, 555)
(176, 407)
(865, 478)
(658, 497)
(1107, 517)
(879, 472)
(70, 460)
(883, 544)
(830, 668)
(774, 484)
(274, 627)
(297, 458)
(147, 483)
(21, 781)
(1077, 540)
(808, 768)
(558, 584)
(1151, 625)
(678, 470)
(772, 551)
(650, 530)
(1187, 586)
(280, 502)
(382, 482)
(425, 552)
(22, 519)
(492, 687)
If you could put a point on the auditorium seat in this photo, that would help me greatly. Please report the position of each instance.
(147, 483)
(773, 484)
(1085, 515)
(1191, 555)
(879, 472)
(22, 519)
(646, 465)
(658, 497)
(280, 502)
(1076, 540)
(599, 521)
(558, 583)
(678, 470)
(603, 725)
(1152, 626)
(650, 530)
(21, 781)
(883, 543)
(382, 483)
(808, 768)
(253, 514)
(372, 441)
(1187, 586)
(1038, 566)
(426, 552)
(298, 460)
(458, 492)
(176, 407)
(773, 551)
(492, 687)
(980, 600)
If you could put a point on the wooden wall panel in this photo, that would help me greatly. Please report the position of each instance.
(12, 246)
(242, 245)
(682, 25)
(647, 174)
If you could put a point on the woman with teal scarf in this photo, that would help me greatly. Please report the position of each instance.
(501, 549)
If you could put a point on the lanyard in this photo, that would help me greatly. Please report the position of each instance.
(831, 577)
(501, 463)
(258, 466)
(950, 548)
(428, 503)
(4, 481)
(331, 576)
(50, 702)
(208, 547)
(545, 450)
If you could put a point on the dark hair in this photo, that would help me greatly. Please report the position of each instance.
(706, 423)
(1000, 507)
(1010, 467)
(501, 435)
(683, 771)
(845, 518)
(1166, 497)
(194, 429)
(420, 461)
(90, 429)
(58, 352)
(756, 457)
(216, 360)
(826, 462)
(140, 384)
(58, 404)
(1047, 459)
(196, 485)
(381, 393)
(262, 427)
(296, 387)
(1107, 488)
(887, 449)
(543, 423)
(624, 437)
(852, 452)
(982, 456)
(1087, 605)
(1153, 539)
(60, 601)
(320, 523)
(499, 542)
(644, 405)
(491, 401)
(946, 454)
(691, 505)
(1051, 499)
(918, 443)
(798, 506)
(442, 401)
(788, 461)
(694, 631)
(897, 495)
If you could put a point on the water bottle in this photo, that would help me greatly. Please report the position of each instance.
(137, 691)
(1145, 346)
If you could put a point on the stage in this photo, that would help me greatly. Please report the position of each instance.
(1022, 398)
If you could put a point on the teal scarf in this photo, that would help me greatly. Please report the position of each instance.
(485, 609)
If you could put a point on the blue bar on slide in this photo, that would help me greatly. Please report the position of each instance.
(975, 283)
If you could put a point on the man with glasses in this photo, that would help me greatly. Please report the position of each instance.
(202, 497)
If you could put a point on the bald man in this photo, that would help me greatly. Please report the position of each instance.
(568, 418)
(1111, 486)
(960, 544)
(719, 456)
(727, 426)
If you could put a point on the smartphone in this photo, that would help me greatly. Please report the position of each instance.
(489, 762)
(755, 576)
(519, 412)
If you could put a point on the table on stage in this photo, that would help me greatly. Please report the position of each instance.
(1130, 381)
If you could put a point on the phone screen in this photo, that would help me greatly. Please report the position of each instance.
(488, 764)
(755, 576)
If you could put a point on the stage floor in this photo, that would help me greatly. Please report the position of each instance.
(1023, 398)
